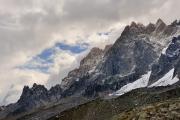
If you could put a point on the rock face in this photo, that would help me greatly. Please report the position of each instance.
(131, 56)
(175, 23)
(87, 65)
(33, 98)
(135, 48)
(137, 51)
(169, 59)
(38, 95)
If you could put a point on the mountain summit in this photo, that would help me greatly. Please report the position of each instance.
(143, 56)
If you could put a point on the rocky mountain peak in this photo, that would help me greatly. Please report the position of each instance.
(26, 90)
(125, 31)
(38, 95)
(160, 22)
(136, 28)
(160, 26)
(150, 28)
(137, 25)
(33, 97)
(133, 24)
(55, 93)
(175, 23)
(1, 108)
(107, 47)
(131, 53)
(92, 58)
(87, 65)
(38, 88)
(132, 29)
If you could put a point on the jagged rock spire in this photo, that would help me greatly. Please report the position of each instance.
(176, 22)
(159, 22)
(133, 24)
(160, 26)
(150, 28)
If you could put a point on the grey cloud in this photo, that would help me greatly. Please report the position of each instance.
(107, 11)
(9, 94)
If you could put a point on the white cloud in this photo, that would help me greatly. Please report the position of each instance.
(64, 62)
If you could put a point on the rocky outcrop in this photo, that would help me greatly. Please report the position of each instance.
(33, 98)
(87, 65)
(36, 96)
(169, 59)
(176, 23)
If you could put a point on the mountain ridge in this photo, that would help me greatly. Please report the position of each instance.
(102, 72)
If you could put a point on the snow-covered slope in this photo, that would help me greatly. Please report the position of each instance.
(166, 79)
(142, 82)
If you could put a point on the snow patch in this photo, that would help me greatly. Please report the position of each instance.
(164, 50)
(77, 80)
(92, 70)
(166, 79)
(142, 82)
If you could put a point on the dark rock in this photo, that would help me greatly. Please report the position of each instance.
(175, 23)
(160, 26)
(167, 61)
(150, 28)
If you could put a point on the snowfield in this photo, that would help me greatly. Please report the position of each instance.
(166, 80)
(142, 82)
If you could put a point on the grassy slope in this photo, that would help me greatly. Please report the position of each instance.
(166, 110)
(107, 109)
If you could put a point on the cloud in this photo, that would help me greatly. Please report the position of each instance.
(44, 61)
(30, 27)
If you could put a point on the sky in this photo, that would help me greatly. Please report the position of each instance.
(42, 40)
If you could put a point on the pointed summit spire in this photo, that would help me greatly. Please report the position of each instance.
(175, 23)
(35, 85)
(150, 28)
(133, 24)
(160, 26)
(160, 22)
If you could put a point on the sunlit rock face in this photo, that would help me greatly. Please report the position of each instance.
(87, 65)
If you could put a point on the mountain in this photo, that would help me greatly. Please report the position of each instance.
(143, 56)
